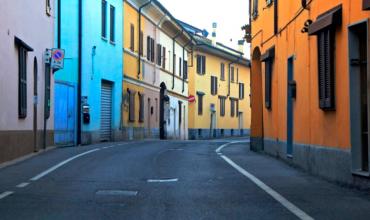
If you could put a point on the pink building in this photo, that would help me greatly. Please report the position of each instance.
(26, 83)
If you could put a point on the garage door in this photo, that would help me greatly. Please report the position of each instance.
(106, 112)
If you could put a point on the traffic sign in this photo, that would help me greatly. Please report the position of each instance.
(57, 58)
(191, 98)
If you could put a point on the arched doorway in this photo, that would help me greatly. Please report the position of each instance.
(256, 101)
(163, 110)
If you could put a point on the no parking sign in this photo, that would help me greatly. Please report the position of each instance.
(57, 58)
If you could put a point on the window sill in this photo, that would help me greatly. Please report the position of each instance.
(113, 43)
(360, 173)
(104, 39)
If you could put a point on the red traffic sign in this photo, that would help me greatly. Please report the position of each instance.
(191, 98)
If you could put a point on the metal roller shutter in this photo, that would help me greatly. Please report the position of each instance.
(106, 113)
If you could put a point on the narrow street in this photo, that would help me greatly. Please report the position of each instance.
(169, 180)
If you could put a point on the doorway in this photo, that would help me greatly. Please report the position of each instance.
(359, 98)
(241, 123)
(106, 112)
(290, 116)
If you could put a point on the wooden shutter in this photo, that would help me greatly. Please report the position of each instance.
(212, 84)
(112, 23)
(185, 66)
(222, 106)
(326, 69)
(152, 50)
(148, 48)
(141, 107)
(180, 68)
(222, 77)
(200, 103)
(131, 112)
(22, 87)
(241, 90)
(232, 74)
(104, 19)
(268, 78)
(237, 75)
(132, 38)
(199, 60)
(203, 65)
(159, 54)
(141, 39)
(232, 107)
(164, 58)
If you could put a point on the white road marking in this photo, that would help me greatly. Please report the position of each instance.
(46, 172)
(5, 194)
(22, 185)
(283, 201)
(162, 180)
(218, 150)
(109, 147)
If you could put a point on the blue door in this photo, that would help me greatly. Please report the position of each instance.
(290, 107)
(65, 114)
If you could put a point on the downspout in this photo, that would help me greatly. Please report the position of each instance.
(173, 56)
(229, 80)
(183, 57)
(139, 31)
(79, 87)
(157, 26)
(59, 23)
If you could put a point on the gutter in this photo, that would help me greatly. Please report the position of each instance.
(173, 56)
(183, 57)
(139, 31)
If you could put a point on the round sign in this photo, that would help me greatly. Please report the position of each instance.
(191, 98)
(57, 55)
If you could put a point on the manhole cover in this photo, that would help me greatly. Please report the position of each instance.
(116, 193)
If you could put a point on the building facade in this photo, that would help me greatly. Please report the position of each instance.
(219, 79)
(89, 89)
(155, 86)
(310, 80)
(26, 115)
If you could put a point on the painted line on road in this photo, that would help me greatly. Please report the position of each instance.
(109, 147)
(22, 185)
(162, 180)
(218, 150)
(283, 201)
(46, 172)
(5, 194)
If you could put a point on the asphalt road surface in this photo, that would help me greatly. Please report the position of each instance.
(170, 180)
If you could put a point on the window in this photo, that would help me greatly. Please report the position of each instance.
(112, 23)
(174, 64)
(268, 83)
(132, 38)
(159, 55)
(232, 107)
(141, 44)
(255, 9)
(23, 48)
(201, 64)
(222, 105)
(232, 74)
(185, 66)
(222, 77)
(241, 90)
(214, 85)
(150, 49)
(131, 112)
(180, 66)
(104, 19)
(200, 102)
(325, 40)
(141, 107)
(22, 83)
(164, 58)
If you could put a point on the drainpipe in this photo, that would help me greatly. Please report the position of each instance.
(139, 31)
(183, 57)
(59, 23)
(173, 56)
(229, 80)
(79, 87)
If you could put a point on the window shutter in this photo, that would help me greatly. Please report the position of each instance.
(232, 108)
(232, 74)
(222, 77)
(132, 38)
(22, 88)
(141, 107)
(237, 108)
(199, 60)
(215, 86)
(326, 69)
(268, 70)
(185, 66)
(104, 19)
(131, 106)
(159, 54)
(180, 68)
(164, 58)
(212, 84)
(204, 65)
(200, 103)
(152, 50)
(112, 23)
(141, 49)
(237, 75)
(148, 48)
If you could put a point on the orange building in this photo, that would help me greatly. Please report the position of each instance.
(310, 85)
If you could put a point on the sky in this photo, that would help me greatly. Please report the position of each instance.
(230, 16)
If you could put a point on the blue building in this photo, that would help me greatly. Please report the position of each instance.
(88, 91)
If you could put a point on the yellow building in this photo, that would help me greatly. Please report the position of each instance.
(155, 87)
(219, 82)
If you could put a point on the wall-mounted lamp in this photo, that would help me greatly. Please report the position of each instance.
(306, 25)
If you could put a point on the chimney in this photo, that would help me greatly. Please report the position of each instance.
(214, 33)
(241, 46)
